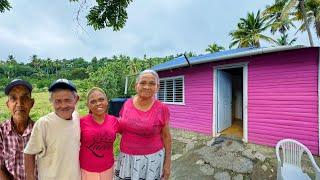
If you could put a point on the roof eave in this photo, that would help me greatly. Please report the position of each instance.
(240, 54)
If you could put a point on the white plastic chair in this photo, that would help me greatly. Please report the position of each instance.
(290, 166)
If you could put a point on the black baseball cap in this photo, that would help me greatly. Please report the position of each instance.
(62, 84)
(17, 82)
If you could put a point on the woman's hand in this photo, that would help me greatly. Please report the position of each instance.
(167, 141)
(166, 171)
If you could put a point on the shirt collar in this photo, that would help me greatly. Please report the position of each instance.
(8, 126)
(27, 131)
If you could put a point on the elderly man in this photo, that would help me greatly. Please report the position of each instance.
(55, 138)
(15, 132)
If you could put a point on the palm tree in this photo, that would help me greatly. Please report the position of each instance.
(273, 14)
(313, 6)
(307, 11)
(214, 48)
(284, 40)
(11, 66)
(249, 31)
(35, 62)
(302, 11)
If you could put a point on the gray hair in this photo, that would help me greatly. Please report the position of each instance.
(154, 73)
(74, 93)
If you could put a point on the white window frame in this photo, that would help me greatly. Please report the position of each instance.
(183, 89)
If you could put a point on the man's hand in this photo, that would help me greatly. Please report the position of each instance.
(29, 166)
(4, 174)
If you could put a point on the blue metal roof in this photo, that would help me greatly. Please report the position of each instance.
(222, 55)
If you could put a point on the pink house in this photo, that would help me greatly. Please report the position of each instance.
(271, 92)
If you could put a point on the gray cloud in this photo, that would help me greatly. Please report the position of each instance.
(156, 28)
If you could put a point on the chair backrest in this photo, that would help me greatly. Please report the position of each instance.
(292, 151)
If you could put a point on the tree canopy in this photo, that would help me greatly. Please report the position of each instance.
(106, 13)
(214, 47)
(107, 73)
(249, 31)
(284, 12)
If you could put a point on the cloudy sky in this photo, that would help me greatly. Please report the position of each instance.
(48, 28)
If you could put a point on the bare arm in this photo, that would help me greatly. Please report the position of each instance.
(167, 141)
(29, 165)
(4, 173)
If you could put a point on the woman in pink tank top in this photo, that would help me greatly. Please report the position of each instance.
(98, 132)
(145, 147)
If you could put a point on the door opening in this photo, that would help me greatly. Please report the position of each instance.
(230, 102)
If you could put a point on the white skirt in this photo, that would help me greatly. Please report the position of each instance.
(139, 167)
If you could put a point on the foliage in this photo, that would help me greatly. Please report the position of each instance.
(107, 73)
(273, 14)
(214, 48)
(111, 76)
(278, 24)
(314, 7)
(106, 13)
(284, 40)
(249, 31)
(4, 5)
(288, 11)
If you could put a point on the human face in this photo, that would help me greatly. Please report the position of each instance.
(147, 86)
(20, 103)
(64, 102)
(97, 103)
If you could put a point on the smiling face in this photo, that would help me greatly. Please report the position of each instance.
(20, 103)
(147, 86)
(97, 103)
(64, 102)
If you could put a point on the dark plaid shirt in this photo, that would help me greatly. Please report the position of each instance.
(11, 148)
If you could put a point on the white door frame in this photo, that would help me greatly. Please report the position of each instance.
(244, 66)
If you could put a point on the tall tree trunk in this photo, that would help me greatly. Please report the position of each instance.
(301, 3)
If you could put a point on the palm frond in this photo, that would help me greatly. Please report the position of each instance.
(287, 9)
(249, 30)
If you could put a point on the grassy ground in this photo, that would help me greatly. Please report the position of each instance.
(42, 106)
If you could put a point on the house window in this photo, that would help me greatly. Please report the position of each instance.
(171, 90)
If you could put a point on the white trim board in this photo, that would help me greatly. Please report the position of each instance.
(244, 66)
